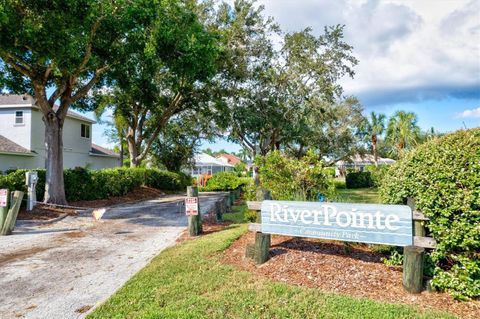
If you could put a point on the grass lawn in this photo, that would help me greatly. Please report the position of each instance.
(189, 281)
(358, 195)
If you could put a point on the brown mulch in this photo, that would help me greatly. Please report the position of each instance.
(45, 212)
(138, 194)
(352, 269)
(41, 212)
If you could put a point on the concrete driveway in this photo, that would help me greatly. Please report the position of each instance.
(65, 269)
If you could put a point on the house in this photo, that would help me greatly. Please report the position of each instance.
(229, 159)
(358, 162)
(22, 138)
(208, 165)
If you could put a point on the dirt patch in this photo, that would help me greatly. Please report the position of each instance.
(75, 234)
(352, 269)
(20, 255)
(83, 309)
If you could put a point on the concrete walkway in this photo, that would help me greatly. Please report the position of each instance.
(65, 269)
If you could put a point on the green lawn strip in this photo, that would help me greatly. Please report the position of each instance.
(189, 281)
(359, 195)
(237, 215)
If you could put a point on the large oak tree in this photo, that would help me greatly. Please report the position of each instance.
(65, 47)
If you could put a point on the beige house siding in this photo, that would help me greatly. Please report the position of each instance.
(20, 133)
(8, 161)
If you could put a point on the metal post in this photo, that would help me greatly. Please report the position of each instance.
(31, 179)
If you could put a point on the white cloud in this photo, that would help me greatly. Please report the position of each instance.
(409, 50)
(473, 113)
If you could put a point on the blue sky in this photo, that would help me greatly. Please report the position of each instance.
(415, 55)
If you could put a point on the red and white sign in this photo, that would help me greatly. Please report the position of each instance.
(191, 206)
(3, 198)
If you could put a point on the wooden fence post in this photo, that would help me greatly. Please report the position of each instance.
(413, 257)
(413, 268)
(12, 214)
(194, 221)
(418, 227)
(262, 241)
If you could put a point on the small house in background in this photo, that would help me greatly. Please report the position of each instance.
(358, 163)
(22, 138)
(206, 165)
(229, 159)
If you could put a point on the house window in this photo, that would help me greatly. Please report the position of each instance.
(19, 117)
(85, 132)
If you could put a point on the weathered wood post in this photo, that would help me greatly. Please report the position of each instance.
(12, 214)
(219, 211)
(3, 206)
(413, 268)
(228, 204)
(413, 256)
(418, 227)
(194, 221)
(262, 241)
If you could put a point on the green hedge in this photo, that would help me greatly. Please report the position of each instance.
(224, 181)
(83, 184)
(443, 176)
(359, 180)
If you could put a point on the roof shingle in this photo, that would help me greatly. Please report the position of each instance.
(9, 146)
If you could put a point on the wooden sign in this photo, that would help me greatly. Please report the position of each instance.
(191, 206)
(3, 198)
(366, 223)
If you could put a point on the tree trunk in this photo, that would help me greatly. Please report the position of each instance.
(374, 148)
(54, 186)
(121, 151)
(132, 149)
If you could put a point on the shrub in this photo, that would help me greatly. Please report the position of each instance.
(329, 171)
(225, 181)
(293, 179)
(83, 184)
(377, 173)
(443, 176)
(359, 180)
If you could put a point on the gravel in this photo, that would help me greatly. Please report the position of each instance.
(66, 269)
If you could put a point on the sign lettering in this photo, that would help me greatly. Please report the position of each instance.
(367, 223)
(3, 197)
(191, 206)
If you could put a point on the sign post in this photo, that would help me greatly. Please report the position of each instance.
(192, 210)
(3, 206)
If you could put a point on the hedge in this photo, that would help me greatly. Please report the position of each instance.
(224, 181)
(443, 176)
(359, 180)
(83, 184)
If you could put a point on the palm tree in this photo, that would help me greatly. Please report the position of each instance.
(375, 127)
(402, 130)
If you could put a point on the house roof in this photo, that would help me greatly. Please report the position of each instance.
(101, 151)
(232, 159)
(26, 100)
(366, 159)
(9, 146)
(203, 159)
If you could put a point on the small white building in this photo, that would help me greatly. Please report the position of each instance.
(22, 138)
(208, 165)
(358, 163)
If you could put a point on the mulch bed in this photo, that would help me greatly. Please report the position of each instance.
(45, 212)
(335, 267)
